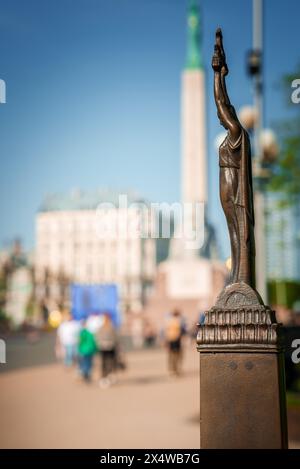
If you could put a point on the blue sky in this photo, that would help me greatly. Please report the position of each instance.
(93, 95)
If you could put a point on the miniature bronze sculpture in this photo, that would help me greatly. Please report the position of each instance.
(236, 191)
(242, 391)
(235, 175)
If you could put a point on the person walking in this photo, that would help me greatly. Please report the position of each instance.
(94, 322)
(87, 348)
(173, 336)
(67, 340)
(107, 341)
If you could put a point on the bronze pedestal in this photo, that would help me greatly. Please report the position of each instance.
(242, 390)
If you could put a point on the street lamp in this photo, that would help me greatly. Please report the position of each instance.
(269, 145)
(254, 68)
(266, 152)
(248, 117)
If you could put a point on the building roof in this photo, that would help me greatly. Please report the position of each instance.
(86, 200)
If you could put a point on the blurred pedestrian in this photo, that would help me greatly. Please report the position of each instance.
(94, 322)
(67, 340)
(107, 341)
(45, 312)
(149, 333)
(173, 336)
(87, 348)
(137, 330)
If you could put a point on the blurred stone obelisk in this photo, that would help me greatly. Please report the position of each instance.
(242, 388)
(193, 115)
(193, 274)
(193, 130)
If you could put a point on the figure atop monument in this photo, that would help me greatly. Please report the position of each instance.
(236, 191)
(194, 53)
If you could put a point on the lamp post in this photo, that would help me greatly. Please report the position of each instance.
(254, 65)
(262, 171)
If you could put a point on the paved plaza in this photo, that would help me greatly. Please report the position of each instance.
(48, 407)
(44, 406)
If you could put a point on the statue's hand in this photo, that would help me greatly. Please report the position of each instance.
(220, 48)
(217, 62)
(219, 38)
(224, 70)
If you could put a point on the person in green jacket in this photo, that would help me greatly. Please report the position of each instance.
(87, 348)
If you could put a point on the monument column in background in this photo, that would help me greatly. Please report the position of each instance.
(193, 117)
(190, 278)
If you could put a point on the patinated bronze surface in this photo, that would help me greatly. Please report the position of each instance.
(235, 177)
(242, 388)
(239, 315)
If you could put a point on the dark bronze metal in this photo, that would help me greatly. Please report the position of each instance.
(242, 390)
(235, 176)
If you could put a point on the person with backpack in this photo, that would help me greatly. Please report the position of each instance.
(173, 336)
(87, 348)
(107, 341)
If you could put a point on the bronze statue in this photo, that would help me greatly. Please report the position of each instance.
(235, 176)
(239, 341)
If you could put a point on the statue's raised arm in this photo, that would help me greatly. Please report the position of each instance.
(226, 111)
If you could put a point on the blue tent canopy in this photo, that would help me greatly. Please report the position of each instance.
(95, 299)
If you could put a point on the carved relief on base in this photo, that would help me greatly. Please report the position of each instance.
(243, 326)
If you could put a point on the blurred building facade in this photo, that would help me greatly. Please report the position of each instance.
(88, 238)
(16, 285)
